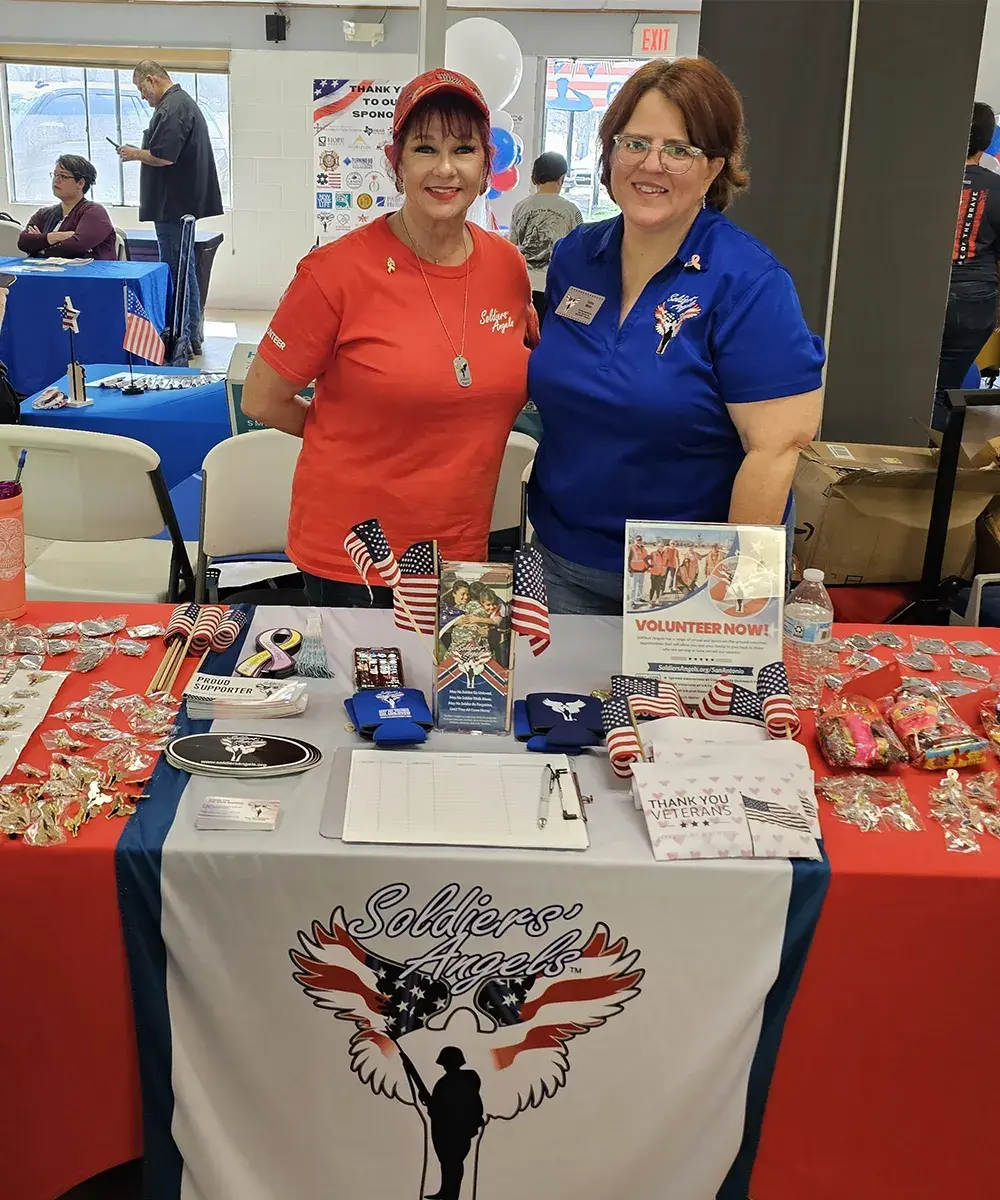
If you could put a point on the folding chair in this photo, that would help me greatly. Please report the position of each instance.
(245, 499)
(98, 500)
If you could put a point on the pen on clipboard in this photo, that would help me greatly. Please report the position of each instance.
(545, 795)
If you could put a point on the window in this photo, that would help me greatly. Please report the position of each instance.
(577, 94)
(53, 110)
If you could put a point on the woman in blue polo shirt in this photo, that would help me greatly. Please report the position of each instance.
(676, 378)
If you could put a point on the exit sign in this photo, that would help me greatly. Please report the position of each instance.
(654, 41)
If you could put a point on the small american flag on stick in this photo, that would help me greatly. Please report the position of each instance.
(624, 747)
(769, 706)
(205, 629)
(369, 549)
(649, 697)
(530, 610)
(229, 629)
(141, 338)
(181, 623)
(417, 589)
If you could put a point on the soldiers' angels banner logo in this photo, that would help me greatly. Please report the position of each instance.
(463, 1038)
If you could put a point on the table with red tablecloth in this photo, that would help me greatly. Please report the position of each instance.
(885, 1076)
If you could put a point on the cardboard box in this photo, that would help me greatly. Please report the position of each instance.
(862, 511)
(988, 541)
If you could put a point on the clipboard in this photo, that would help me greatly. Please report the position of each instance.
(460, 799)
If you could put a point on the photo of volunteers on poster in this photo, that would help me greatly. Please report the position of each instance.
(352, 125)
(474, 652)
(702, 602)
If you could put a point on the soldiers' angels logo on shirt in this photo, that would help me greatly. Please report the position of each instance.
(671, 314)
(462, 1031)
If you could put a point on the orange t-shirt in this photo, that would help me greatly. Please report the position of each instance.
(390, 433)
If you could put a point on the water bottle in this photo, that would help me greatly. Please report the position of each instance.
(808, 628)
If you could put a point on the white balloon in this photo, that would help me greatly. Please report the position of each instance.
(502, 120)
(488, 53)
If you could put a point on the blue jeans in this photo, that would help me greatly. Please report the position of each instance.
(168, 238)
(332, 593)
(587, 591)
(969, 321)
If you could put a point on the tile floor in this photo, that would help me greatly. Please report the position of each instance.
(224, 327)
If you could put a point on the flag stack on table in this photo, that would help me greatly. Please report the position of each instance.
(770, 705)
(141, 336)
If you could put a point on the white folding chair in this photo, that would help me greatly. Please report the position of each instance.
(121, 245)
(9, 233)
(98, 500)
(507, 504)
(245, 498)
(526, 530)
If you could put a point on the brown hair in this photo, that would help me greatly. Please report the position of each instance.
(460, 118)
(712, 112)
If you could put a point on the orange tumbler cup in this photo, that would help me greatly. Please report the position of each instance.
(12, 597)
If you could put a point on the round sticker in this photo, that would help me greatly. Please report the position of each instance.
(364, 200)
(354, 179)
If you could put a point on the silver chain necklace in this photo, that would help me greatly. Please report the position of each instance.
(460, 363)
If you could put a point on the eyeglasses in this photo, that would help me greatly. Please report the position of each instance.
(675, 157)
(61, 177)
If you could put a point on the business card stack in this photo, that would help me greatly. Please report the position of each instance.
(241, 755)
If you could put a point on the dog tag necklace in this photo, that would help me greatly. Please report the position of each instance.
(460, 363)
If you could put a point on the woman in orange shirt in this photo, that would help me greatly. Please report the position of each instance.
(416, 329)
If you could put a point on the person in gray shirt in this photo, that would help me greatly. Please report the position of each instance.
(539, 221)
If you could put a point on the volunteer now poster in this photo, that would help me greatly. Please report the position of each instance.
(702, 602)
(352, 125)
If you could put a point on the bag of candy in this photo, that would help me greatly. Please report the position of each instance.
(853, 733)
(932, 732)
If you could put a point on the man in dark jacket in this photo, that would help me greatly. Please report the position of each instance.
(178, 176)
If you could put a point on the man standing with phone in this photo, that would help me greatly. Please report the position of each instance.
(177, 177)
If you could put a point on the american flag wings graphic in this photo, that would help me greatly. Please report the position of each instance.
(339, 974)
(780, 716)
(649, 697)
(418, 586)
(771, 813)
(530, 611)
(141, 337)
(331, 97)
(624, 747)
(369, 549)
(536, 1017)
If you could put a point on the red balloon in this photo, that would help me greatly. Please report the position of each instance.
(506, 181)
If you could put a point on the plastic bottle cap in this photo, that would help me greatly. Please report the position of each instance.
(812, 575)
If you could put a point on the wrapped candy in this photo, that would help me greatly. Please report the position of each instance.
(970, 670)
(917, 661)
(973, 649)
(102, 626)
(885, 637)
(853, 733)
(131, 647)
(863, 662)
(89, 658)
(989, 714)
(933, 734)
(871, 803)
(858, 641)
(145, 631)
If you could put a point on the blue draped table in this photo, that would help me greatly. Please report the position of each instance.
(34, 344)
(181, 426)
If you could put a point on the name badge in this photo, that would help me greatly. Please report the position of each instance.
(580, 306)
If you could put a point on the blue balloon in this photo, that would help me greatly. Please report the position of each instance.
(994, 146)
(504, 150)
(493, 194)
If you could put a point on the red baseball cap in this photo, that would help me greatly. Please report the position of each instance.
(438, 80)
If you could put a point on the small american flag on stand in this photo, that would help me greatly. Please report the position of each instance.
(418, 586)
(369, 549)
(624, 747)
(141, 338)
(650, 697)
(530, 610)
(205, 629)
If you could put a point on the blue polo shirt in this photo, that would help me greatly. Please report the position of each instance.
(634, 419)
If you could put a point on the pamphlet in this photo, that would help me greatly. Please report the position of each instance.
(474, 649)
(702, 602)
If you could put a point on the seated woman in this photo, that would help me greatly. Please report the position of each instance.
(75, 227)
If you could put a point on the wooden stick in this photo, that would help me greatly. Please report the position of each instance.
(168, 683)
(166, 662)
